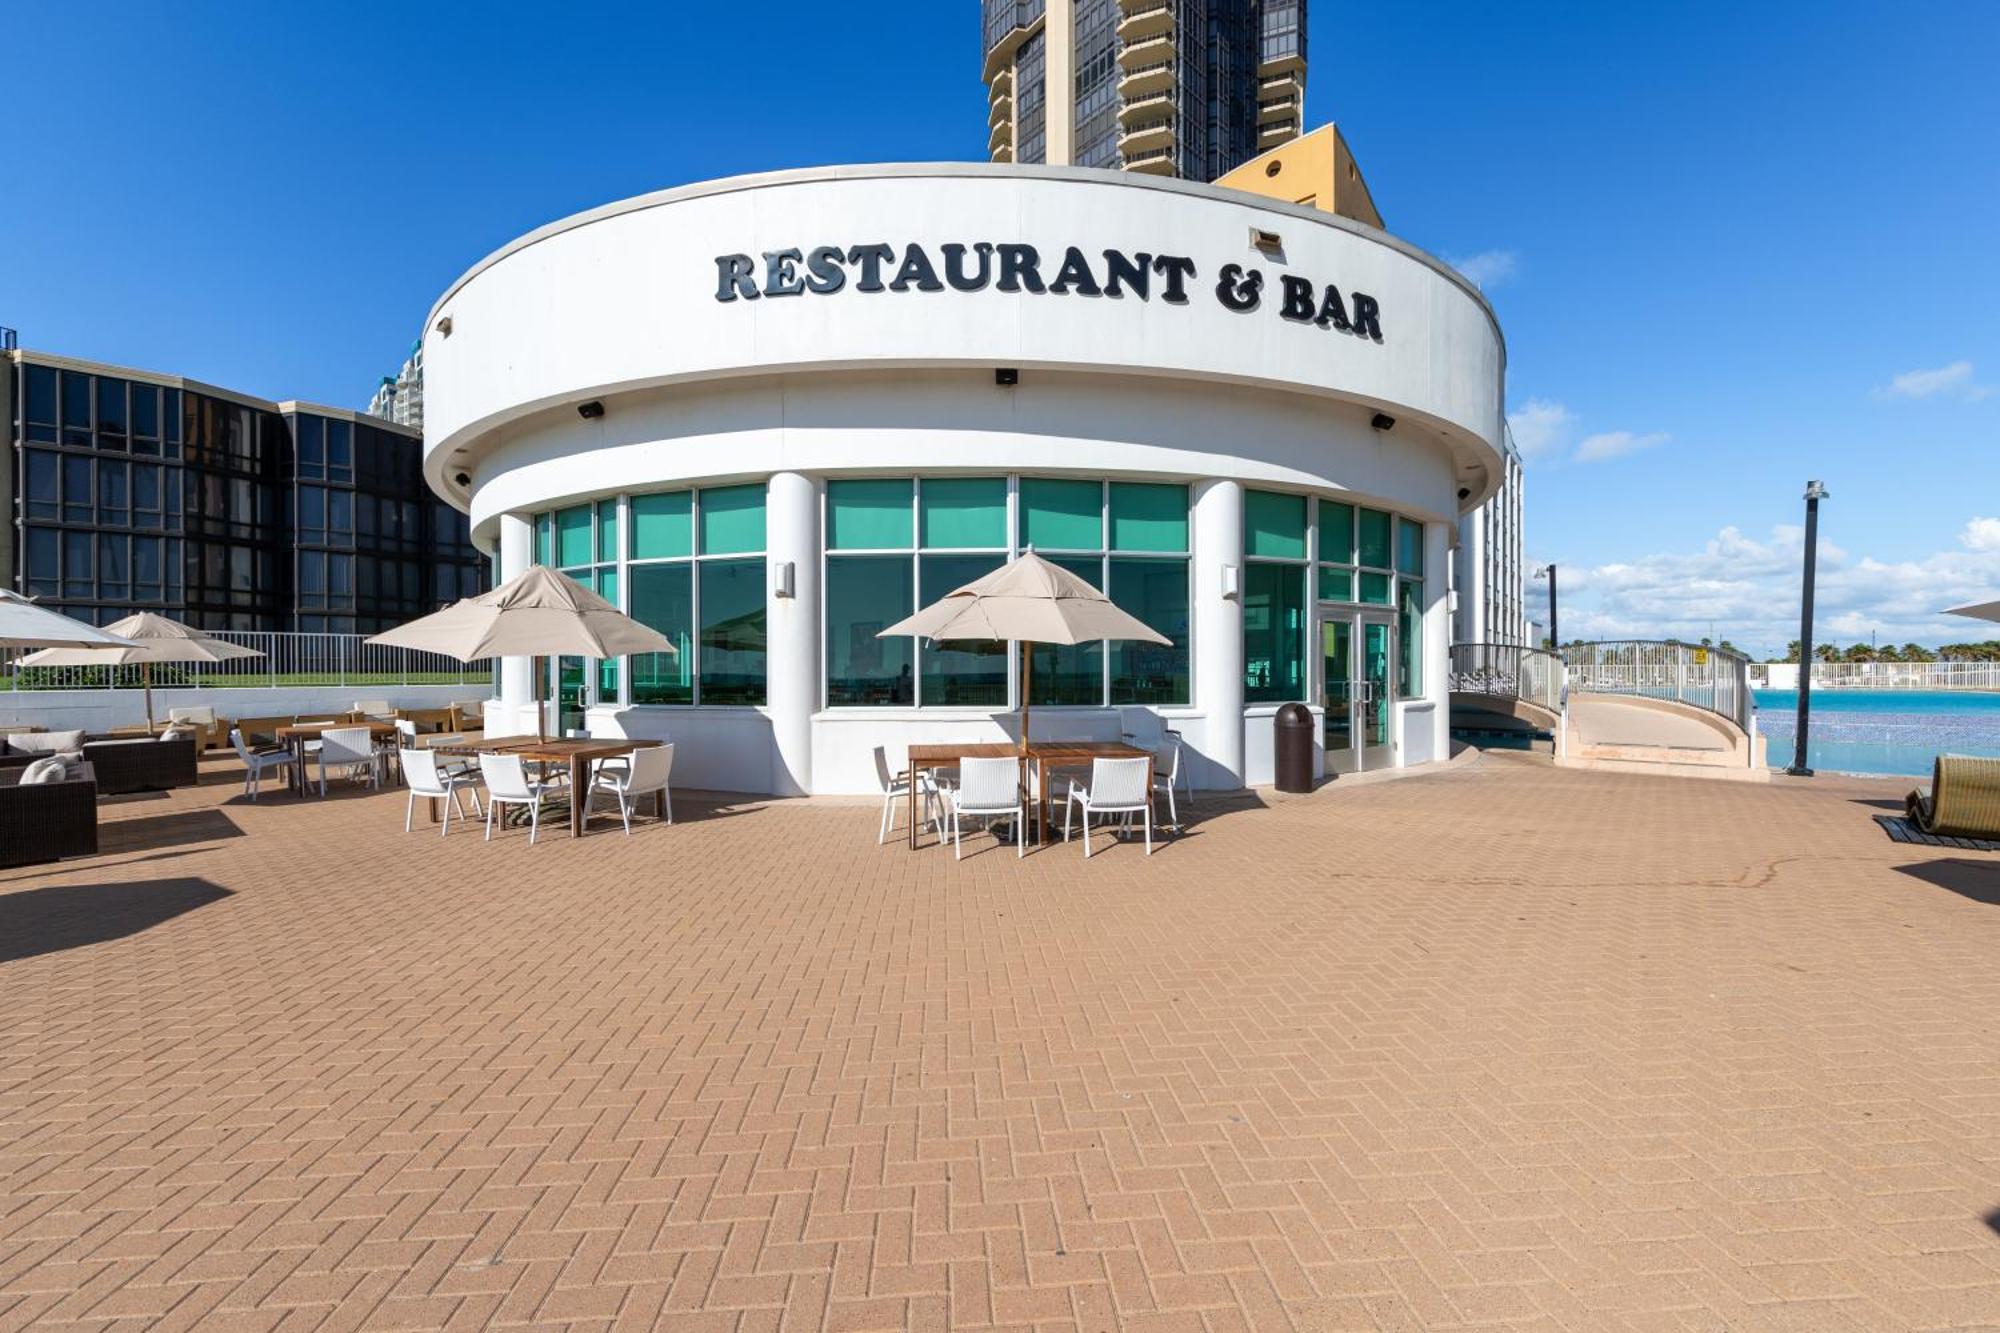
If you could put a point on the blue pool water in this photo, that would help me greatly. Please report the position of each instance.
(1881, 731)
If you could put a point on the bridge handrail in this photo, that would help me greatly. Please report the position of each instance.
(1715, 679)
(1509, 671)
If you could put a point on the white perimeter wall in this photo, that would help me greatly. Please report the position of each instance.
(101, 710)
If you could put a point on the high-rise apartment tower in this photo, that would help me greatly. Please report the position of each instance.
(1187, 88)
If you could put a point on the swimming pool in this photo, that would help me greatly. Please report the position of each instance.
(1881, 731)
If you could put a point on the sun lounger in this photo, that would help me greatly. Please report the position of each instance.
(1964, 800)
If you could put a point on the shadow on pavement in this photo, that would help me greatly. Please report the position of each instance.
(152, 832)
(71, 916)
(1977, 880)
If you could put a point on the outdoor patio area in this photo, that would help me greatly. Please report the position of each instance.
(1497, 1045)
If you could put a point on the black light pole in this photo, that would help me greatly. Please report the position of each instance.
(1814, 494)
(1555, 632)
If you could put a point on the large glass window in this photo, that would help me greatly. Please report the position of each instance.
(1274, 597)
(694, 570)
(40, 489)
(1409, 608)
(38, 407)
(1129, 538)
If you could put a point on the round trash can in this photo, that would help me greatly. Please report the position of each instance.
(1292, 748)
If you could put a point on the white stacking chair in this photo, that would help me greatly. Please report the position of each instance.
(406, 739)
(1117, 787)
(425, 776)
(896, 790)
(650, 768)
(508, 783)
(349, 749)
(256, 763)
(988, 789)
(1175, 774)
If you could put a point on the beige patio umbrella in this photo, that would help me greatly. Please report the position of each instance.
(144, 639)
(538, 613)
(25, 625)
(1027, 600)
(1977, 610)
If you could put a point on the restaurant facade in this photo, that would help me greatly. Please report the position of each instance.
(770, 415)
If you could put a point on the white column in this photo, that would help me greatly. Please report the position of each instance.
(791, 527)
(1218, 629)
(517, 685)
(1436, 658)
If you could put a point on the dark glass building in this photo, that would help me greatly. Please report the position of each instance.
(140, 492)
(1185, 88)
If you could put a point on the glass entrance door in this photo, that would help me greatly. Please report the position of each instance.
(1357, 650)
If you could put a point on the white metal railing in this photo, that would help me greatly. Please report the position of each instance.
(1509, 671)
(289, 659)
(1883, 675)
(1711, 678)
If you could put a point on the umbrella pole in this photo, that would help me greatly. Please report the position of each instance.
(1027, 682)
(541, 714)
(146, 680)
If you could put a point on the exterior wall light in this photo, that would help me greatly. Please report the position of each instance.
(444, 326)
(1232, 581)
(591, 410)
(1268, 241)
(1383, 421)
(781, 578)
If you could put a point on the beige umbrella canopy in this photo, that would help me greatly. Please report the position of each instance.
(538, 613)
(1031, 601)
(25, 625)
(1977, 610)
(144, 639)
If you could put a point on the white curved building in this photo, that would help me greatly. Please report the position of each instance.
(771, 414)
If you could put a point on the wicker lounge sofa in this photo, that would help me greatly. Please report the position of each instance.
(47, 821)
(1964, 800)
(122, 764)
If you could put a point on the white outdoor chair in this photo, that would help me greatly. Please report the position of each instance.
(407, 738)
(256, 763)
(508, 783)
(375, 709)
(349, 749)
(1174, 775)
(1117, 787)
(896, 790)
(647, 773)
(424, 776)
(988, 789)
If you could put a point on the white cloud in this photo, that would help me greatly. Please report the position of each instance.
(1952, 381)
(1541, 427)
(1488, 268)
(1746, 589)
(1617, 444)
(1981, 534)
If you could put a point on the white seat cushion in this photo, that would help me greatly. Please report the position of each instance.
(52, 769)
(46, 742)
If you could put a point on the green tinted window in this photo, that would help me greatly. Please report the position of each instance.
(573, 536)
(969, 674)
(1375, 538)
(663, 598)
(1375, 588)
(732, 521)
(607, 668)
(1148, 517)
(1336, 532)
(1065, 673)
(1409, 639)
(871, 514)
(864, 593)
(1156, 591)
(1274, 640)
(1062, 515)
(607, 531)
(662, 525)
(732, 629)
(544, 544)
(1336, 584)
(1409, 547)
(1274, 525)
(964, 512)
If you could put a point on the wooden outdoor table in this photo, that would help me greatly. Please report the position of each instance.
(1042, 754)
(295, 735)
(580, 755)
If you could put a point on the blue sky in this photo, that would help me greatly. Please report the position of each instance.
(1732, 246)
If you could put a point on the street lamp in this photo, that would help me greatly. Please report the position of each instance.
(1548, 572)
(1815, 492)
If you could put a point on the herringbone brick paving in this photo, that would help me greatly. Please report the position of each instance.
(1500, 1046)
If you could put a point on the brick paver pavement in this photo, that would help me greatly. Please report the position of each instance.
(1500, 1046)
